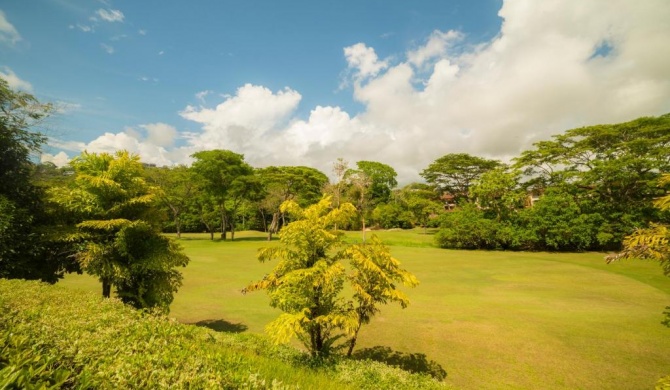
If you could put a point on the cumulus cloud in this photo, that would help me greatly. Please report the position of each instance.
(14, 81)
(435, 47)
(60, 159)
(8, 33)
(110, 15)
(160, 134)
(544, 72)
(364, 60)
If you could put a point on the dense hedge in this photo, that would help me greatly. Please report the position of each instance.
(52, 337)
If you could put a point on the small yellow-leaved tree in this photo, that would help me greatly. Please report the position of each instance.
(307, 283)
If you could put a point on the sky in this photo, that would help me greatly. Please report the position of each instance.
(306, 82)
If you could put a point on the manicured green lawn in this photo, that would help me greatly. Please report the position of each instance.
(491, 319)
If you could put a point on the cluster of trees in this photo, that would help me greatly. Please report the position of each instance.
(99, 216)
(221, 193)
(585, 189)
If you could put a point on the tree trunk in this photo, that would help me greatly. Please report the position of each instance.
(106, 288)
(273, 225)
(352, 343)
(177, 224)
(363, 219)
(232, 229)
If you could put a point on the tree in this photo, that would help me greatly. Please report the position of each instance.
(175, 189)
(422, 201)
(304, 185)
(25, 249)
(454, 173)
(382, 180)
(218, 171)
(499, 192)
(117, 230)
(612, 170)
(359, 190)
(307, 283)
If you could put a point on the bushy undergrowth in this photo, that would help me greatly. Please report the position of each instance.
(52, 337)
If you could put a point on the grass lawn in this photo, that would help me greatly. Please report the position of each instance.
(498, 320)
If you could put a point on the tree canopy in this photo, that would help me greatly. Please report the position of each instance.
(117, 231)
(454, 173)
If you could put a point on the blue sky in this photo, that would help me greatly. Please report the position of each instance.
(305, 82)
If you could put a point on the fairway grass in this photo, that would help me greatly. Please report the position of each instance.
(492, 320)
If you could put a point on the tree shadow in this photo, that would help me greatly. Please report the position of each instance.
(412, 362)
(222, 326)
(253, 238)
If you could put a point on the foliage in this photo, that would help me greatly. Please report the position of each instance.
(611, 170)
(497, 191)
(57, 338)
(308, 281)
(117, 234)
(174, 189)
(557, 222)
(282, 183)
(25, 248)
(467, 228)
(223, 176)
(454, 173)
(382, 180)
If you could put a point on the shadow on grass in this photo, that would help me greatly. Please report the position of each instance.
(253, 238)
(222, 326)
(412, 362)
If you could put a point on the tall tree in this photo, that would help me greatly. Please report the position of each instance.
(303, 185)
(308, 281)
(25, 250)
(382, 180)
(118, 233)
(612, 169)
(175, 187)
(499, 192)
(218, 171)
(422, 202)
(454, 173)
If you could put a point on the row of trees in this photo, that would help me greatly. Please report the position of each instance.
(585, 189)
(222, 193)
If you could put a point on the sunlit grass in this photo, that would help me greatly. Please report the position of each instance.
(491, 319)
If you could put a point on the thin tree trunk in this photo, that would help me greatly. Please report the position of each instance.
(106, 288)
(363, 219)
(352, 343)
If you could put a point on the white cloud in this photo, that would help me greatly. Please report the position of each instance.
(142, 32)
(14, 81)
(110, 15)
(435, 47)
(364, 60)
(244, 121)
(8, 33)
(202, 95)
(109, 49)
(160, 53)
(160, 134)
(60, 159)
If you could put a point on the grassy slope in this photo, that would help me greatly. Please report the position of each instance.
(491, 319)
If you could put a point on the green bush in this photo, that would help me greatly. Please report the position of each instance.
(52, 337)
